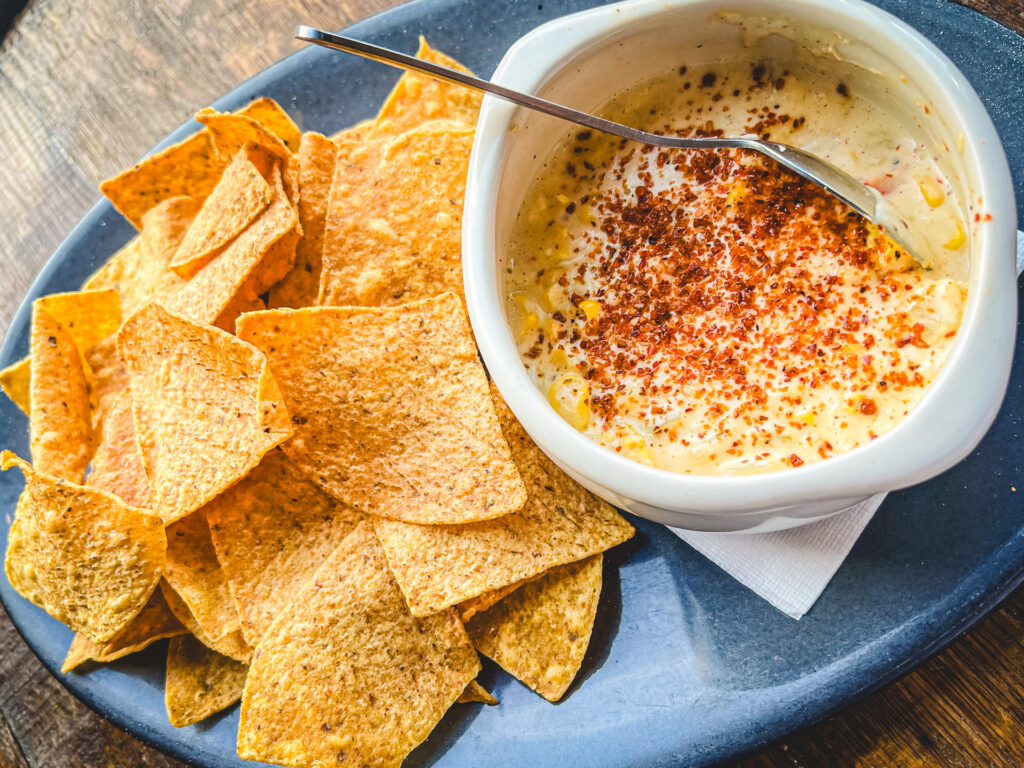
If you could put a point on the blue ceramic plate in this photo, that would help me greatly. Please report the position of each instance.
(685, 666)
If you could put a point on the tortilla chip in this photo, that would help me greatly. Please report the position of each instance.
(190, 168)
(14, 379)
(391, 409)
(540, 633)
(269, 113)
(354, 132)
(200, 682)
(107, 376)
(316, 171)
(139, 271)
(240, 196)
(232, 645)
(271, 532)
(470, 608)
(231, 132)
(394, 227)
(60, 418)
(476, 693)
(206, 408)
(194, 573)
(419, 98)
(82, 555)
(438, 566)
(117, 465)
(238, 306)
(345, 676)
(154, 622)
(237, 271)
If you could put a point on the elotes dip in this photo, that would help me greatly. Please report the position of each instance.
(707, 312)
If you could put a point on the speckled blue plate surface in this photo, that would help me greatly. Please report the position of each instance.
(686, 667)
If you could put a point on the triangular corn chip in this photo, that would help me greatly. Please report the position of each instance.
(354, 132)
(190, 168)
(117, 465)
(540, 632)
(316, 171)
(199, 682)
(438, 566)
(271, 532)
(269, 113)
(419, 98)
(232, 645)
(154, 622)
(394, 225)
(14, 379)
(82, 555)
(60, 417)
(206, 408)
(139, 271)
(391, 409)
(476, 693)
(235, 272)
(193, 572)
(345, 676)
(239, 197)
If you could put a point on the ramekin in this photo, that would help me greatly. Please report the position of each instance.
(587, 58)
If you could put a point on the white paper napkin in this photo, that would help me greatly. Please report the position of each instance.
(790, 569)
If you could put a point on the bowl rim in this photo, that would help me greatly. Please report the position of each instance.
(931, 438)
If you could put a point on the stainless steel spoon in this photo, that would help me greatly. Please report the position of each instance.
(862, 198)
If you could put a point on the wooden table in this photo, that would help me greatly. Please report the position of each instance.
(85, 89)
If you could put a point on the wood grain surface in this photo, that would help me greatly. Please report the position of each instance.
(86, 87)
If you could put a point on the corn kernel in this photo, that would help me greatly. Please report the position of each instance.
(569, 395)
(641, 456)
(737, 193)
(590, 308)
(559, 359)
(633, 440)
(931, 192)
(807, 417)
(956, 242)
(530, 323)
(562, 199)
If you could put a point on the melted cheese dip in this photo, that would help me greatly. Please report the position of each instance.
(706, 312)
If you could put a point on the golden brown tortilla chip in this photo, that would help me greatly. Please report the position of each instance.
(139, 271)
(60, 418)
(117, 465)
(14, 379)
(199, 682)
(316, 171)
(82, 555)
(271, 532)
(88, 316)
(354, 132)
(391, 409)
(438, 566)
(232, 645)
(345, 676)
(394, 226)
(238, 272)
(540, 633)
(470, 608)
(190, 168)
(476, 693)
(194, 573)
(238, 306)
(231, 132)
(269, 113)
(206, 407)
(239, 197)
(154, 622)
(418, 98)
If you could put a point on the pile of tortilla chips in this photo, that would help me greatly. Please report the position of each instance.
(262, 430)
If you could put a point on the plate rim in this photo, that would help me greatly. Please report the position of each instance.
(969, 610)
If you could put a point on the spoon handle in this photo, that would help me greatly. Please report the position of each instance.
(404, 61)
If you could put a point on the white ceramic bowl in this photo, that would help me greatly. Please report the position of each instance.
(585, 59)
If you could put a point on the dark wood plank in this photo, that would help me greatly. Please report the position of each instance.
(87, 87)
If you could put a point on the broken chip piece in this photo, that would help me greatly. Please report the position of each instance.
(199, 682)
